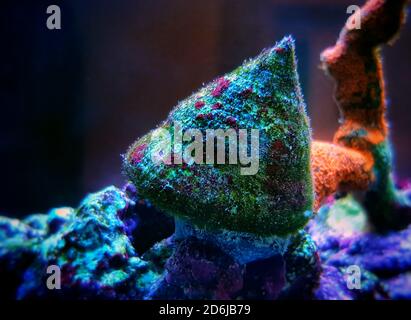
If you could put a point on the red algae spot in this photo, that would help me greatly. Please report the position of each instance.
(200, 116)
(278, 145)
(222, 85)
(217, 106)
(279, 49)
(138, 153)
(279, 148)
(199, 104)
(231, 121)
(246, 92)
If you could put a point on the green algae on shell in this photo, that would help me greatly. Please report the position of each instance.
(263, 94)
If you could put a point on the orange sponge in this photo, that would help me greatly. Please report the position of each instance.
(337, 168)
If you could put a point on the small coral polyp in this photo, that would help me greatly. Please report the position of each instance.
(263, 94)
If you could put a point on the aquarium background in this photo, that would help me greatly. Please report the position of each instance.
(72, 100)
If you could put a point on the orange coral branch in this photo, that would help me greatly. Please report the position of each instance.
(355, 65)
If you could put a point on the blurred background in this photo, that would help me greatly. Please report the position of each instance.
(73, 100)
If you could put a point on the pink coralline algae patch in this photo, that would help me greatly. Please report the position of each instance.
(222, 85)
(278, 145)
(138, 153)
(231, 121)
(246, 92)
(217, 106)
(201, 116)
(199, 104)
(207, 116)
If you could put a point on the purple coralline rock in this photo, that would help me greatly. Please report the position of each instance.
(345, 239)
(105, 251)
(382, 259)
(199, 270)
(380, 254)
(332, 286)
(264, 279)
(398, 288)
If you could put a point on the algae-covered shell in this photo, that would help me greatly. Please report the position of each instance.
(276, 199)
